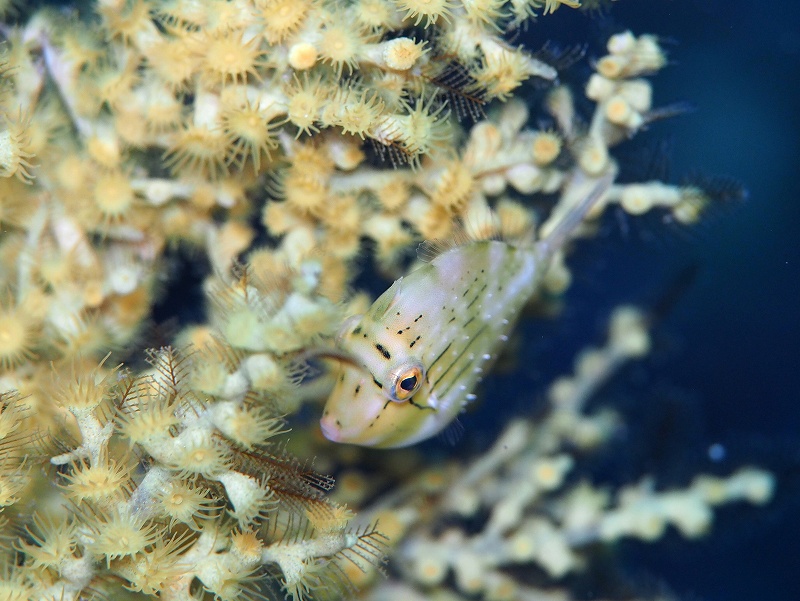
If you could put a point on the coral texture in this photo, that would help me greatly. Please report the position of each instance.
(274, 141)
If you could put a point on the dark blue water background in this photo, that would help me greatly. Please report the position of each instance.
(725, 371)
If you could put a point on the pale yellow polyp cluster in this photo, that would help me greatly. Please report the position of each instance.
(539, 509)
(273, 150)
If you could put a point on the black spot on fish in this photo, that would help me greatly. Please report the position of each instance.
(418, 318)
(357, 330)
(378, 384)
(382, 350)
(399, 331)
(358, 388)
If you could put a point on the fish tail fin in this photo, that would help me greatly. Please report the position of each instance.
(556, 237)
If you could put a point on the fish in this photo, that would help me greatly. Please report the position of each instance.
(408, 366)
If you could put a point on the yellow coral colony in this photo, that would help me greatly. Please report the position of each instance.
(143, 126)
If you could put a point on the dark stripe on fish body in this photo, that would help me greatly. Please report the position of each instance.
(457, 377)
(457, 358)
(382, 350)
(477, 296)
(430, 367)
(413, 404)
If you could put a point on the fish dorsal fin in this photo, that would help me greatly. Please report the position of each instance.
(428, 250)
(465, 232)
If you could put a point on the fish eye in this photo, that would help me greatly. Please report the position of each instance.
(406, 381)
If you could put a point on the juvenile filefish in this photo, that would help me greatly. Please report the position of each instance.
(410, 364)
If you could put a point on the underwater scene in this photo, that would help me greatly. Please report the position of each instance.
(399, 300)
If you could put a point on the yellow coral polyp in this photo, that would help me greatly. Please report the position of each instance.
(302, 56)
(304, 193)
(53, 543)
(401, 54)
(281, 18)
(416, 133)
(393, 195)
(184, 503)
(127, 24)
(515, 219)
(114, 84)
(306, 99)
(104, 148)
(435, 223)
(247, 545)
(250, 426)
(230, 57)
(265, 374)
(112, 197)
(171, 62)
(85, 390)
(149, 418)
(551, 6)
(375, 14)
(545, 148)
(162, 110)
(250, 134)
(119, 534)
(428, 11)
(454, 187)
(200, 455)
(198, 150)
(15, 149)
(356, 114)
(593, 156)
(19, 334)
(103, 483)
(503, 72)
(340, 43)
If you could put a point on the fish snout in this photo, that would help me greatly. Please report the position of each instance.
(330, 428)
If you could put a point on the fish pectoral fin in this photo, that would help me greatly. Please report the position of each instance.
(330, 352)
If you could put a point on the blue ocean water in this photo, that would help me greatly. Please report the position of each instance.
(724, 389)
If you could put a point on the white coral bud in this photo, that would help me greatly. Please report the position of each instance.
(249, 498)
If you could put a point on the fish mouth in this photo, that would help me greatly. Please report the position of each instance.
(329, 429)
